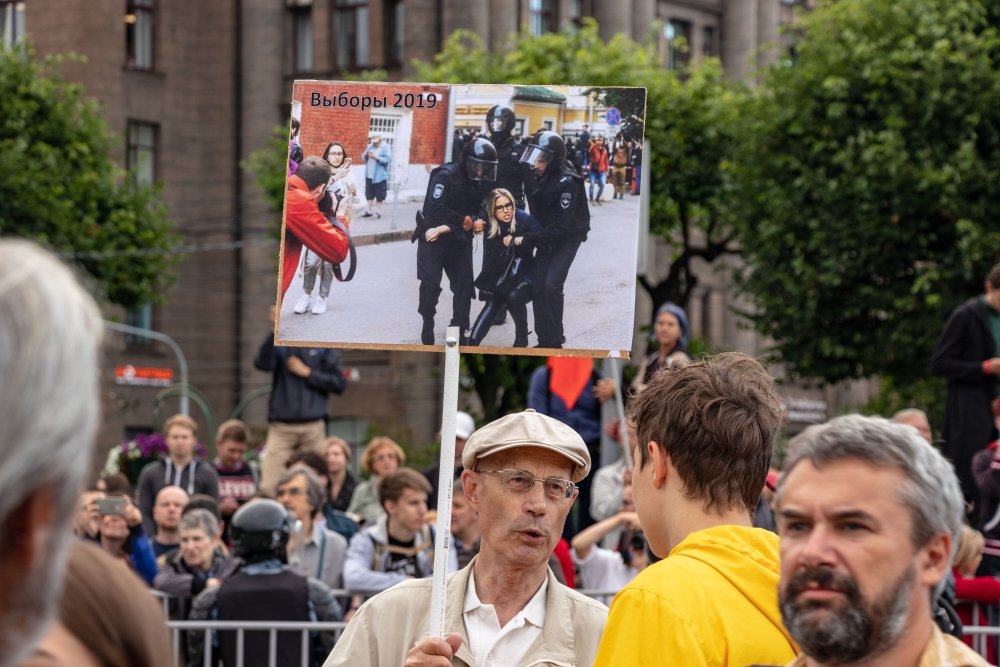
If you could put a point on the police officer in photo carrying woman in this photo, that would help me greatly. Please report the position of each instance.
(558, 199)
(455, 195)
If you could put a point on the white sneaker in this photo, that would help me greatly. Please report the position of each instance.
(302, 305)
(319, 306)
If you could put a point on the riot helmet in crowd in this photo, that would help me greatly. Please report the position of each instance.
(260, 531)
(479, 160)
(546, 153)
(500, 122)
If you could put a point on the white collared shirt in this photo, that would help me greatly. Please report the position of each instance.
(492, 645)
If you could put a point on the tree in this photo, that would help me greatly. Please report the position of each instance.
(868, 190)
(59, 186)
(692, 123)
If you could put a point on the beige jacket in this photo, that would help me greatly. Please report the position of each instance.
(389, 624)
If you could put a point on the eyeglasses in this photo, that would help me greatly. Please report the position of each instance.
(504, 207)
(335, 153)
(520, 481)
(293, 491)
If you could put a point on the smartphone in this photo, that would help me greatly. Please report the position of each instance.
(113, 506)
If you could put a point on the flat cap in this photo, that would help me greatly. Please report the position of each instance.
(528, 429)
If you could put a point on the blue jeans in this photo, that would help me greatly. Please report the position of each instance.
(600, 177)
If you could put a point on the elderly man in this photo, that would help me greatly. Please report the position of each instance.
(50, 330)
(505, 607)
(868, 514)
(916, 418)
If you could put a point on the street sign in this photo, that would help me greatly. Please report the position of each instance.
(613, 116)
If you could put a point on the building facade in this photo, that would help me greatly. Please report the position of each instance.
(192, 88)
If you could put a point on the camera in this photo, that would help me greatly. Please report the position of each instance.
(114, 506)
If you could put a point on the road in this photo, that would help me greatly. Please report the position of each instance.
(378, 308)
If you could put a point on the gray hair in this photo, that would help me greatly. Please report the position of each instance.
(909, 412)
(199, 519)
(931, 491)
(50, 339)
(315, 488)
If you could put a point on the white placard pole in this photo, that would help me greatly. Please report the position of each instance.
(623, 438)
(446, 482)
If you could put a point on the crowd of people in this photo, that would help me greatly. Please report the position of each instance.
(871, 560)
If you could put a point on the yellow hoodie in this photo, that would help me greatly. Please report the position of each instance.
(712, 601)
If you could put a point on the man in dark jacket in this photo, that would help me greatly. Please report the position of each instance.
(967, 355)
(303, 378)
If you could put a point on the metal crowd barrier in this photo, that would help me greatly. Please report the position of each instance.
(241, 627)
(273, 627)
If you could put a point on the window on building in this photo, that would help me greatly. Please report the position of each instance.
(678, 36)
(140, 151)
(541, 16)
(575, 13)
(351, 29)
(708, 48)
(139, 33)
(11, 23)
(302, 39)
(140, 317)
(385, 125)
(394, 29)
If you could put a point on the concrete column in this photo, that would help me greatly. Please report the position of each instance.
(503, 23)
(768, 18)
(643, 15)
(613, 18)
(739, 36)
(471, 15)
(420, 32)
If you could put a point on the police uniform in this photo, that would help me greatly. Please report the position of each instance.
(510, 171)
(559, 202)
(450, 197)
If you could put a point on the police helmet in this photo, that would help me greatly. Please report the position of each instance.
(260, 531)
(546, 152)
(479, 160)
(500, 121)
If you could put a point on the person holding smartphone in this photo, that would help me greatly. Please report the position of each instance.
(122, 535)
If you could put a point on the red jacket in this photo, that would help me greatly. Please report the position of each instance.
(599, 156)
(985, 591)
(304, 224)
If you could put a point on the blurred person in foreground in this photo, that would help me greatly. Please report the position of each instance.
(704, 434)
(106, 618)
(505, 607)
(869, 514)
(51, 331)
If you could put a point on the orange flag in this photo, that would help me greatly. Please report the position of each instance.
(568, 377)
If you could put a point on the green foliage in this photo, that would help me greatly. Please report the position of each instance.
(867, 188)
(269, 165)
(500, 381)
(59, 187)
(692, 124)
(928, 394)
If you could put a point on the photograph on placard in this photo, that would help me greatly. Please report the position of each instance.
(510, 212)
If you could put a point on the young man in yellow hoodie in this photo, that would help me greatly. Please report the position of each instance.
(704, 442)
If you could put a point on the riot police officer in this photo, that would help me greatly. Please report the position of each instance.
(264, 590)
(454, 198)
(500, 122)
(557, 198)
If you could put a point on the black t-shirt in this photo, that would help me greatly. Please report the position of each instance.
(400, 564)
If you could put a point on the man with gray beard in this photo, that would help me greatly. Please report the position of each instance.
(50, 335)
(868, 513)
